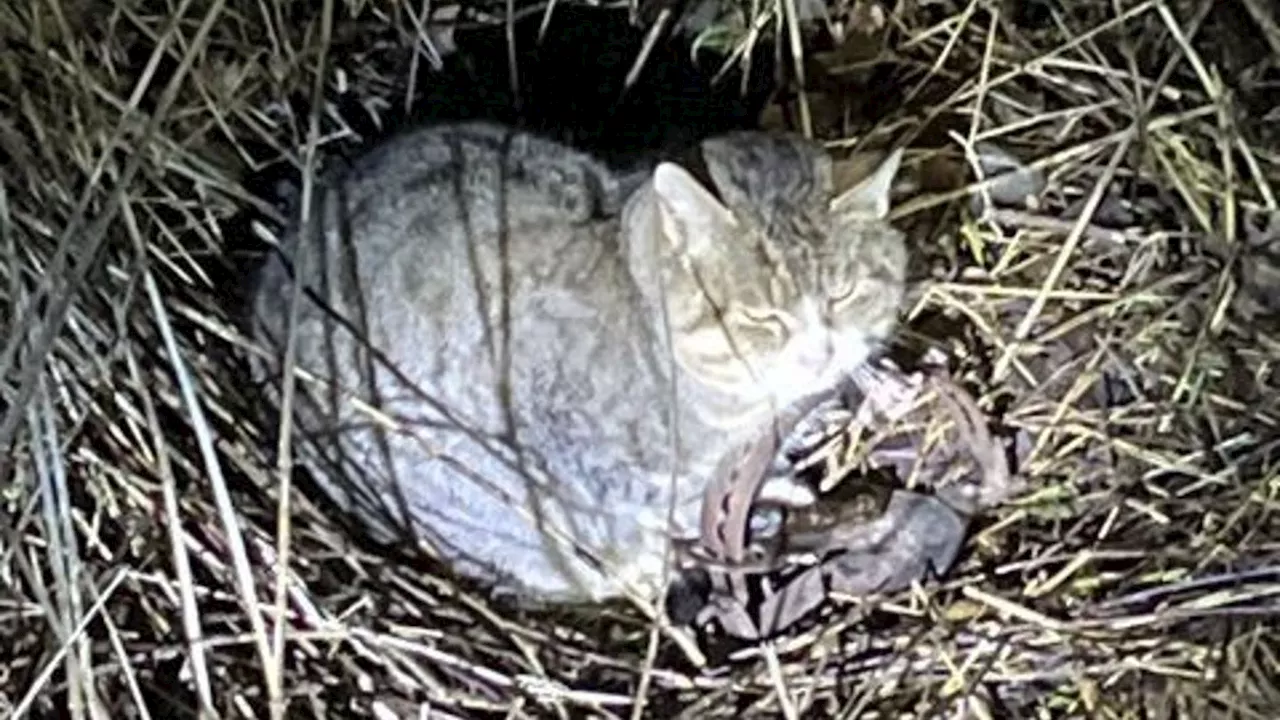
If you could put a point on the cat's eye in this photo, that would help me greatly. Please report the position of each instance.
(766, 317)
(838, 284)
(839, 292)
(765, 320)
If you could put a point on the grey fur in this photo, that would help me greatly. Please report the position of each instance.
(517, 292)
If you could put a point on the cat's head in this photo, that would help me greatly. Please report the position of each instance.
(783, 282)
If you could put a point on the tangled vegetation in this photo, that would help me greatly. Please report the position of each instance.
(1125, 318)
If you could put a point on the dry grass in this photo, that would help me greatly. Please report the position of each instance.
(141, 545)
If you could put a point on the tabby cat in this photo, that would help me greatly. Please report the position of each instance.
(531, 363)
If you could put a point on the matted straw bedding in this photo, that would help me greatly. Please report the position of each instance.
(1125, 321)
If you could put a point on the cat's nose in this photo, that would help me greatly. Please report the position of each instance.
(828, 316)
(829, 347)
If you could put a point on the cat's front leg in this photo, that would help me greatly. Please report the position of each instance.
(875, 388)
(815, 430)
(785, 488)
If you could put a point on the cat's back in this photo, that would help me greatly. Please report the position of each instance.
(398, 227)
(467, 282)
(487, 169)
(476, 178)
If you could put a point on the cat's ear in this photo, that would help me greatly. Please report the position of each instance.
(869, 199)
(692, 218)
